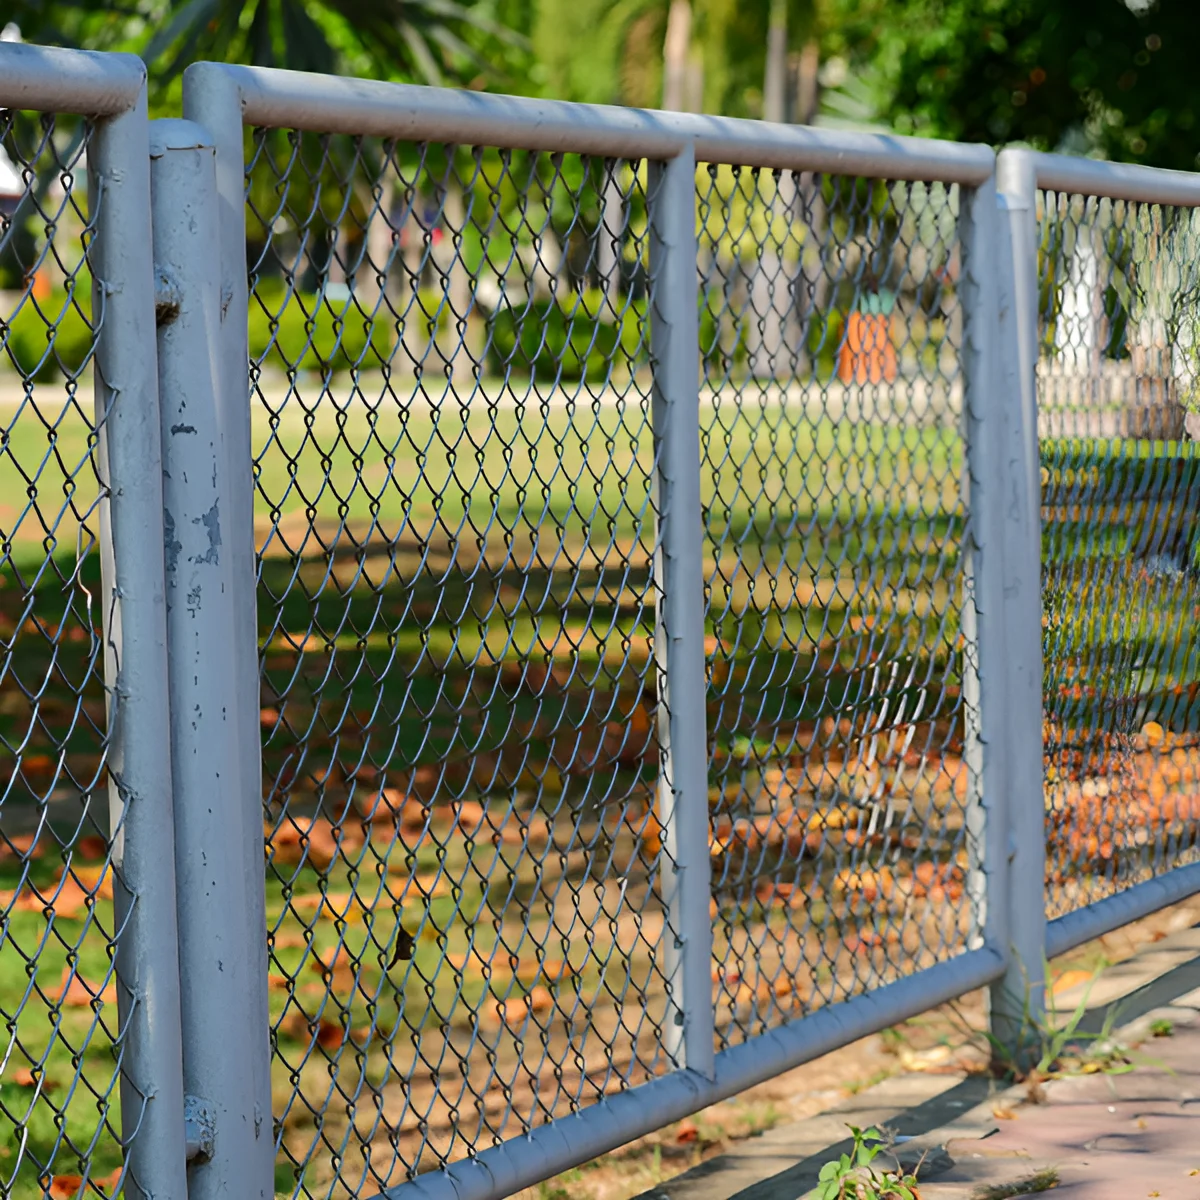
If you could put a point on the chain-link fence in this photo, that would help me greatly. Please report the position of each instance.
(646, 613)
(58, 1105)
(1117, 384)
(90, 1095)
(455, 461)
(456, 528)
(831, 331)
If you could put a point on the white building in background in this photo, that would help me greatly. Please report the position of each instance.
(12, 187)
(1077, 330)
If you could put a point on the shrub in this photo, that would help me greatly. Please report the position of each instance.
(722, 353)
(568, 340)
(46, 341)
(716, 353)
(302, 332)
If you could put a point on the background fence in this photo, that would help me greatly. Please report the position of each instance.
(642, 662)
(89, 981)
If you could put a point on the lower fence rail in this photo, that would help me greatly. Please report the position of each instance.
(615, 1120)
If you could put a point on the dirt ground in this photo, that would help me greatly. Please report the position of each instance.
(946, 1039)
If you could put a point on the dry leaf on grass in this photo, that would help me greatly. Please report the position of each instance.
(514, 1011)
(65, 1187)
(1069, 979)
(76, 992)
(786, 895)
(864, 943)
(339, 970)
(871, 885)
(405, 945)
(686, 1133)
(553, 970)
(24, 1077)
(91, 846)
(20, 845)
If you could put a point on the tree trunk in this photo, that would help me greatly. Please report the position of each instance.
(807, 85)
(775, 84)
(373, 275)
(609, 236)
(772, 294)
(459, 336)
(675, 55)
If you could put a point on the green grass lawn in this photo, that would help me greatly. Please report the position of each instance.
(457, 606)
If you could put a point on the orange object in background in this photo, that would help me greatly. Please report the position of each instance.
(39, 285)
(867, 354)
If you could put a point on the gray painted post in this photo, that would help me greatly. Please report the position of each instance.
(679, 624)
(984, 658)
(135, 657)
(226, 1040)
(1020, 995)
(211, 98)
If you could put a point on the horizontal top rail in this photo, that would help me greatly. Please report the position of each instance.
(46, 79)
(324, 104)
(1115, 181)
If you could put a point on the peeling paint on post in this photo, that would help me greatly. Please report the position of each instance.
(223, 1034)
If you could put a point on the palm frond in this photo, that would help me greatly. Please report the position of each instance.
(428, 40)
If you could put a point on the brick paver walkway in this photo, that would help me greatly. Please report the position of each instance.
(1108, 1137)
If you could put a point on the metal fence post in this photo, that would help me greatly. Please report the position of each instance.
(211, 97)
(227, 1040)
(1018, 998)
(679, 624)
(983, 664)
(135, 654)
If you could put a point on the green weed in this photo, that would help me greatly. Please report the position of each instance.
(853, 1176)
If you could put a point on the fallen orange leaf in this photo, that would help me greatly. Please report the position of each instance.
(330, 1035)
(24, 845)
(686, 1132)
(395, 807)
(75, 992)
(552, 970)
(651, 836)
(338, 969)
(37, 764)
(111, 1180)
(1069, 979)
(540, 999)
(92, 847)
(871, 884)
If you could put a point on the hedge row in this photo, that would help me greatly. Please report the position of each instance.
(569, 339)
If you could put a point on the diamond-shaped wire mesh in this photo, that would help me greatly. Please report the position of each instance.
(456, 530)
(1119, 292)
(833, 459)
(59, 1111)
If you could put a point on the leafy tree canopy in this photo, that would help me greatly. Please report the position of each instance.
(1106, 76)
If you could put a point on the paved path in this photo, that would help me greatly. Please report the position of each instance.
(1102, 1136)
(1105, 1137)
